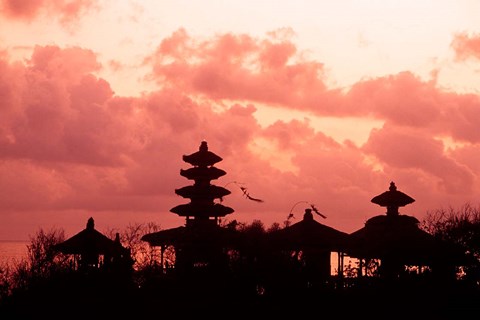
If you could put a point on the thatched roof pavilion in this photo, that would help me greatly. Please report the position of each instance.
(90, 244)
(313, 243)
(309, 233)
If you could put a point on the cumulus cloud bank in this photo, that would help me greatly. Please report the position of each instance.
(69, 143)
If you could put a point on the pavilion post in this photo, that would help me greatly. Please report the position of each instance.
(162, 262)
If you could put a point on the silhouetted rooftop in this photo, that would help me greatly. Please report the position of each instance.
(183, 235)
(392, 198)
(310, 233)
(88, 240)
(202, 157)
(398, 236)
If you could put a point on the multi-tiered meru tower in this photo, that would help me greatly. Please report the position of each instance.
(202, 242)
(202, 209)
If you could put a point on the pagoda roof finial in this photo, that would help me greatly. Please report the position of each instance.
(203, 146)
(392, 198)
(392, 187)
(308, 214)
(90, 223)
(202, 157)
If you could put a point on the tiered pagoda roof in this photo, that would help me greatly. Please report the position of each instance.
(201, 240)
(202, 193)
(392, 199)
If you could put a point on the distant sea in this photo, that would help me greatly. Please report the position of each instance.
(11, 251)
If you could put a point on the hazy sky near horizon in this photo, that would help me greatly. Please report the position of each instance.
(307, 102)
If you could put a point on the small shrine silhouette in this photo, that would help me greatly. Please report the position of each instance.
(92, 249)
(312, 243)
(397, 241)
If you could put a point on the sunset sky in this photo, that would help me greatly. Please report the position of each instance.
(307, 102)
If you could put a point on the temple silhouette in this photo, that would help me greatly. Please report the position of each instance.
(200, 243)
(250, 269)
(91, 249)
(203, 247)
(298, 258)
(397, 241)
(312, 243)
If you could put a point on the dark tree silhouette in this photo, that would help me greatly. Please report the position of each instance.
(462, 227)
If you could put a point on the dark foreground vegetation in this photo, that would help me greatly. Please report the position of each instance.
(255, 282)
(81, 297)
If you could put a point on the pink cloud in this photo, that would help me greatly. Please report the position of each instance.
(412, 149)
(239, 67)
(116, 65)
(56, 110)
(402, 98)
(67, 11)
(469, 155)
(69, 144)
(21, 9)
(405, 100)
(69, 63)
(26, 185)
(460, 115)
(289, 135)
(466, 46)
